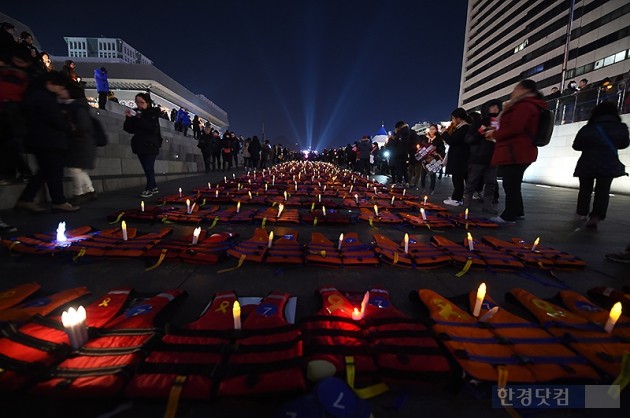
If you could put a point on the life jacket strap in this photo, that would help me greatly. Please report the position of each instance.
(363, 393)
(173, 396)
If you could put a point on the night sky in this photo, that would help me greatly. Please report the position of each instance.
(317, 72)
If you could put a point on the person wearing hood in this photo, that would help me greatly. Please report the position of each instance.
(599, 140)
(515, 149)
(458, 153)
(102, 86)
(363, 150)
(480, 172)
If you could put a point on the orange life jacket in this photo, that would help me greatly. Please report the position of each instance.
(17, 294)
(420, 255)
(542, 257)
(253, 249)
(431, 221)
(583, 307)
(584, 337)
(45, 244)
(210, 248)
(286, 250)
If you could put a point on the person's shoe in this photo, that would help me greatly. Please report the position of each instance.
(520, 218)
(452, 202)
(499, 220)
(432, 192)
(155, 190)
(592, 222)
(477, 196)
(64, 207)
(623, 257)
(30, 207)
(76, 199)
(6, 228)
(146, 193)
(579, 217)
(90, 195)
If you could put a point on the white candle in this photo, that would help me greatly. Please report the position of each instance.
(69, 327)
(424, 215)
(280, 209)
(123, 225)
(234, 176)
(180, 192)
(481, 294)
(471, 245)
(356, 315)
(188, 206)
(273, 180)
(376, 210)
(250, 195)
(61, 232)
(488, 315)
(536, 242)
(425, 200)
(196, 233)
(270, 242)
(142, 206)
(216, 193)
(406, 243)
(356, 198)
(236, 314)
(615, 313)
(466, 214)
(285, 196)
(324, 211)
(351, 186)
(266, 186)
(340, 241)
(375, 192)
(82, 323)
(209, 185)
(238, 207)
(192, 208)
(74, 323)
(404, 192)
(319, 198)
(296, 186)
(364, 302)
(324, 187)
(393, 198)
(224, 179)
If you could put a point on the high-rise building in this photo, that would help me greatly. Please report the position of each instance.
(82, 47)
(549, 41)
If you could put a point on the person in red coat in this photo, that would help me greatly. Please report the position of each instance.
(515, 149)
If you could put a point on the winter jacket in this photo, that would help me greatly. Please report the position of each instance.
(254, 150)
(515, 136)
(183, 117)
(363, 148)
(205, 143)
(48, 125)
(599, 151)
(458, 151)
(102, 85)
(145, 127)
(81, 143)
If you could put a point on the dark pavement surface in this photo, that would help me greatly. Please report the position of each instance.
(549, 214)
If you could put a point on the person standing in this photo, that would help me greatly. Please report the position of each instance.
(254, 152)
(102, 86)
(265, 154)
(599, 140)
(226, 151)
(48, 141)
(458, 154)
(515, 149)
(183, 120)
(196, 124)
(144, 123)
(363, 150)
(216, 151)
(205, 145)
(432, 138)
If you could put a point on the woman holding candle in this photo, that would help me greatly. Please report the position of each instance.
(599, 140)
(514, 145)
(144, 123)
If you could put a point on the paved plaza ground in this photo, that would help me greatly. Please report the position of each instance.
(549, 214)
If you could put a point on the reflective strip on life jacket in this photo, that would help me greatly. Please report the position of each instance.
(322, 251)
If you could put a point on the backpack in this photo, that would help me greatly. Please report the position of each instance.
(545, 127)
(100, 137)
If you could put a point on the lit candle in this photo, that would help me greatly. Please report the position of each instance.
(187, 205)
(376, 210)
(266, 186)
(270, 240)
(216, 193)
(180, 192)
(424, 215)
(471, 245)
(319, 198)
(393, 198)
(273, 180)
(82, 323)
(340, 241)
(238, 207)
(250, 195)
(236, 314)
(123, 225)
(481, 294)
(296, 186)
(615, 313)
(375, 192)
(234, 176)
(324, 211)
(356, 198)
(425, 200)
(356, 315)
(466, 214)
(366, 298)
(196, 233)
(224, 179)
(324, 187)
(68, 321)
(351, 186)
(142, 206)
(61, 232)
(192, 208)
(406, 243)
(209, 185)
(404, 192)
(536, 242)
(280, 209)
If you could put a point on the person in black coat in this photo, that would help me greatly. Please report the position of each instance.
(205, 145)
(48, 141)
(81, 144)
(480, 172)
(599, 140)
(144, 123)
(226, 151)
(458, 153)
(254, 152)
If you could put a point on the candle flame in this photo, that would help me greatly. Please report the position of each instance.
(615, 311)
(376, 210)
